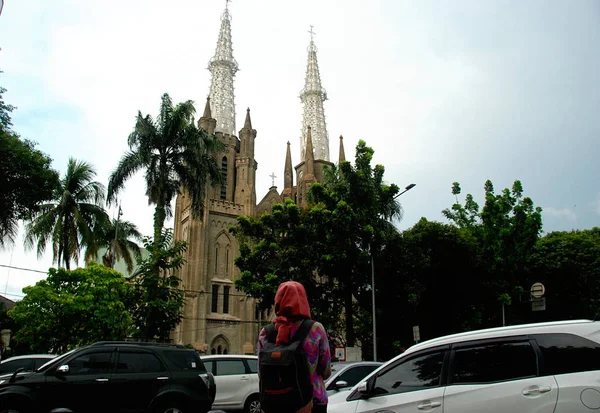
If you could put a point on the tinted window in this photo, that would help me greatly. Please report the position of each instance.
(567, 353)
(37, 363)
(185, 360)
(252, 365)
(91, 363)
(354, 374)
(413, 374)
(130, 362)
(230, 367)
(12, 365)
(210, 366)
(494, 362)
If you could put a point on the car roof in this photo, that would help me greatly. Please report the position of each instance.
(585, 327)
(229, 356)
(30, 356)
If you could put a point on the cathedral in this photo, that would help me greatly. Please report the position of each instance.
(218, 319)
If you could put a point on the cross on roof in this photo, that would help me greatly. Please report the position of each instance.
(312, 33)
(272, 176)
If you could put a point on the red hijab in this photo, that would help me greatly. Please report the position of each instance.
(291, 305)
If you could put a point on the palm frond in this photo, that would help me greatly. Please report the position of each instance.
(129, 164)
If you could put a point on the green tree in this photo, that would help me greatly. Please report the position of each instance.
(507, 229)
(175, 155)
(68, 221)
(282, 246)
(26, 180)
(158, 295)
(568, 264)
(26, 177)
(116, 236)
(73, 308)
(328, 246)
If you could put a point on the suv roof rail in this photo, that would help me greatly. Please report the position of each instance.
(138, 343)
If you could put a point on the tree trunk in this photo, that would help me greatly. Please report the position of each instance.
(159, 222)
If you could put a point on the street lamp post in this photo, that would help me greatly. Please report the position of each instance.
(406, 189)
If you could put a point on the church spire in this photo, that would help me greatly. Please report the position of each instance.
(222, 69)
(288, 177)
(309, 156)
(312, 96)
(342, 157)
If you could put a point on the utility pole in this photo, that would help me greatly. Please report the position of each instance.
(113, 252)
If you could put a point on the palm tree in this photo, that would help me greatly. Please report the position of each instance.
(115, 236)
(68, 221)
(175, 154)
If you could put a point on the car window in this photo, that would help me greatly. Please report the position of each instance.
(37, 363)
(91, 363)
(210, 365)
(252, 365)
(56, 360)
(138, 362)
(185, 360)
(230, 367)
(412, 374)
(567, 353)
(354, 374)
(494, 362)
(12, 365)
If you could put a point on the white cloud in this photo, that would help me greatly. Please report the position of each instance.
(560, 213)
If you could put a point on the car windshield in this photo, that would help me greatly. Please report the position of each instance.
(54, 360)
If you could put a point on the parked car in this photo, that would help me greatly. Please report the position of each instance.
(28, 362)
(236, 378)
(544, 367)
(113, 377)
(345, 375)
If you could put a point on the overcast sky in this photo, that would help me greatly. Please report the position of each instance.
(443, 91)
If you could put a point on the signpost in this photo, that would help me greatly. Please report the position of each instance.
(416, 334)
(340, 353)
(538, 301)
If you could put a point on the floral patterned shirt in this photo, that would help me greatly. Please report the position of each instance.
(318, 357)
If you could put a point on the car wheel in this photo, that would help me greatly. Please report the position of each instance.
(252, 405)
(170, 407)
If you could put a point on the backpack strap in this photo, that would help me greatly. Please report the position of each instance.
(300, 334)
(271, 333)
(303, 330)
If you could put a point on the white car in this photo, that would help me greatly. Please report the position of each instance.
(29, 362)
(236, 378)
(542, 368)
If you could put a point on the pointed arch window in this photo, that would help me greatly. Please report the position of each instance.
(226, 299)
(216, 259)
(227, 260)
(215, 299)
(224, 165)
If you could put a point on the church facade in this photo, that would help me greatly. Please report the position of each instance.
(219, 319)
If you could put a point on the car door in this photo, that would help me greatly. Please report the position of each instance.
(411, 384)
(233, 382)
(498, 376)
(252, 368)
(139, 376)
(574, 362)
(85, 386)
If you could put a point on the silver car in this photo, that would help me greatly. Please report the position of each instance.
(344, 375)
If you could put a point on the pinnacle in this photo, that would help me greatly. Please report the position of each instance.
(207, 113)
(248, 122)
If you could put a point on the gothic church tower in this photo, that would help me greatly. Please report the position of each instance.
(216, 315)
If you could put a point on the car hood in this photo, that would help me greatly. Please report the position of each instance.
(339, 397)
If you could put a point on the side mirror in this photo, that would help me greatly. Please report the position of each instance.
(366, 387)
(341, 384)
(64, 369)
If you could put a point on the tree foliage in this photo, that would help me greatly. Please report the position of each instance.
(157, 294)
(68, 222)
(116, 236)
(73, 308)
(174, 154)
(327, 246)
(26, 177)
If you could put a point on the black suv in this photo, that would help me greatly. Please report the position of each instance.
(109, 376)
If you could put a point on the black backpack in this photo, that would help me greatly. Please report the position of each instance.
(285, 384)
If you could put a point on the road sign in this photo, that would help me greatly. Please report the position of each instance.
(340, 353)
(538, 304)
(538, 290)
(416, 334)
